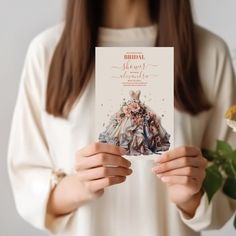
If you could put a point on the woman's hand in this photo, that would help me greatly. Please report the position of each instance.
(183, 171)
(97, 166)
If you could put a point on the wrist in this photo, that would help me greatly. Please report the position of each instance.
(189, 207)
(63, 198)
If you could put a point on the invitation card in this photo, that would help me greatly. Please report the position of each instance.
(135, 99)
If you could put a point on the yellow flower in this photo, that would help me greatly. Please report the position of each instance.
(230, 117)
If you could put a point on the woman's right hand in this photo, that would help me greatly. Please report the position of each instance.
(97, 166)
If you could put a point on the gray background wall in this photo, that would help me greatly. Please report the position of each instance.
(20, 21)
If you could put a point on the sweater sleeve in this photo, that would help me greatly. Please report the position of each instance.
(30, 166)
(215, 214)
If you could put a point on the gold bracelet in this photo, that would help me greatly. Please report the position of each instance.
(57, 176)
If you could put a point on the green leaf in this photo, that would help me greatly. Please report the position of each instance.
(213, 181)
(235, 221)
(230, 187)
(229, 168)
(232, 157)
(223, 148)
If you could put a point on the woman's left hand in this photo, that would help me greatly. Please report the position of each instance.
(183, 171)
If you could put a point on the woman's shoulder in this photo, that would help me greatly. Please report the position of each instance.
(49, 36)
(209, 42)
(43, 45)
(214, 61)
(38, 58)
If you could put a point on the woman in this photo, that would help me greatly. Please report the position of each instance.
(53, 134)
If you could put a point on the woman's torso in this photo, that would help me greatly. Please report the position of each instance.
(140, 206)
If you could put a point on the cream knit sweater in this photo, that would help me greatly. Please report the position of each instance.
(41, 144)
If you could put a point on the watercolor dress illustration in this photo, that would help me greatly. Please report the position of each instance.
(136, 128)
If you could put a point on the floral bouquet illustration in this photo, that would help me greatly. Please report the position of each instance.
(136, 128)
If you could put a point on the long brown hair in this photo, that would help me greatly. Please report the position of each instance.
(74, 56)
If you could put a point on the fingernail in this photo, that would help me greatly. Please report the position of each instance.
(164, 179)
(128, 165)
